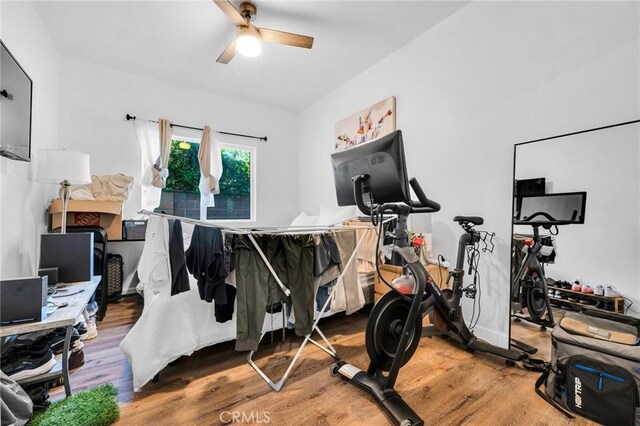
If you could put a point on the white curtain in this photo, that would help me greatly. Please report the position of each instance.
(148, 135)
(209, 156)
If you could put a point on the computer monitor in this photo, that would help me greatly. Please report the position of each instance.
(550, 209)
(382, 160)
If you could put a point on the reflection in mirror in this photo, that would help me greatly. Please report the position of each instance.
(576, 225)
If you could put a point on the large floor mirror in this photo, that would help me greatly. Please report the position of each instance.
(576, 225)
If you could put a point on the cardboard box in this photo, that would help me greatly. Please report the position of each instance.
(107, 214)
(389, 272)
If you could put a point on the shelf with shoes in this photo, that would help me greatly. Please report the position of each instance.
(37, 368)
(617, 301)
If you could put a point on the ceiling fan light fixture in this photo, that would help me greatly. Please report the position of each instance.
(248, 42)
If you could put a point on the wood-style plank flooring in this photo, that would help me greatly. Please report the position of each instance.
(444, 384)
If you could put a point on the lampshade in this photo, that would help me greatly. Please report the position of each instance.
(56, 165)
(248, 41)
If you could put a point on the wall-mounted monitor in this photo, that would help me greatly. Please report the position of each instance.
(550, 209)
(15, 108)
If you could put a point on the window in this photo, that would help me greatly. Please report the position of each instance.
(236, 200)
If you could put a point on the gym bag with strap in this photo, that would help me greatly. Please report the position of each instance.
(595, 367)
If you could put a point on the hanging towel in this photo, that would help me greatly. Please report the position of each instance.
(210, 161)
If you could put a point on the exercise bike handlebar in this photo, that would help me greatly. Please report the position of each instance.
(424, 205)
(551, 221)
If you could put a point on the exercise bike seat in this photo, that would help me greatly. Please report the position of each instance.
(476, 220)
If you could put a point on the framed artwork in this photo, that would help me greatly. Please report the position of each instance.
(370, 123)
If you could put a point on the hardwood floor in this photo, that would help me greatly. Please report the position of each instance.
(444, 384)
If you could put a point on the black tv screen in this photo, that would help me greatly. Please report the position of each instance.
(382, 160)
(15, 108)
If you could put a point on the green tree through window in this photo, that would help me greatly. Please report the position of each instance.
(181, 194)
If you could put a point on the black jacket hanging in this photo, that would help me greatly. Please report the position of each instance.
(177, 260)
(205, 260)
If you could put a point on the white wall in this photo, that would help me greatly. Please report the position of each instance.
(23, 201)
(491, 75)
(94, 100)
(606, 164)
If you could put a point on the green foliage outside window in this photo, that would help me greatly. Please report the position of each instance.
(184, 171)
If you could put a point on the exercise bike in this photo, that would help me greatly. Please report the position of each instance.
(528, 284)
(395, 326)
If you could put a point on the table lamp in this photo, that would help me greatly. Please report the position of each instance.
(64, 167)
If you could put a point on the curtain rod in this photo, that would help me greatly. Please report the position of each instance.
(130, 117)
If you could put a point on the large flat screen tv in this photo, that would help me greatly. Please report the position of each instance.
(15, 108)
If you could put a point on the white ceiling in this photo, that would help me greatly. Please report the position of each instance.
(179, 41)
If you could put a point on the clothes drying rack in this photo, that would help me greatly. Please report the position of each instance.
(329, 349)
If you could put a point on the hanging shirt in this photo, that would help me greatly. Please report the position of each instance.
(205, 261)
(179, 274)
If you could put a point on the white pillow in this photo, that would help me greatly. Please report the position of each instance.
(327, 217)
(304, 220)
(337, 216)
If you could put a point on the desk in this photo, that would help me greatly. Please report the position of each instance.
(61, 317)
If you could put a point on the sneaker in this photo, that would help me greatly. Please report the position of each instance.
(92, 309)
(599, 290)
(76, 360)
(574, 298)
(92, 329)
(611, 291)
(56, 339)
(576, 287)
(587, 289)
(83, 330)
(39, 397)
(600, 304)
(26, 367)
(565, 285)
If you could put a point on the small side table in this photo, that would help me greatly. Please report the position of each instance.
(65, 317)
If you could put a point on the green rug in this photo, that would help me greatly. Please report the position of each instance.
(93, 407)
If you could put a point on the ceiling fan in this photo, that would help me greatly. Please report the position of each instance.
(248, 38)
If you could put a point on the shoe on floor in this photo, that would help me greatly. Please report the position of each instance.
(39, 397)
(76, 359)
(92, 329)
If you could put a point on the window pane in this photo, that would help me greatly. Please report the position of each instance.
(234, 200)
(181, 196)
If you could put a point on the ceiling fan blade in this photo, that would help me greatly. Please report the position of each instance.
(231, 12)
(282, 37)
(227, 55)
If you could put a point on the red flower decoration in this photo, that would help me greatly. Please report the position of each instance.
(417, 241)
